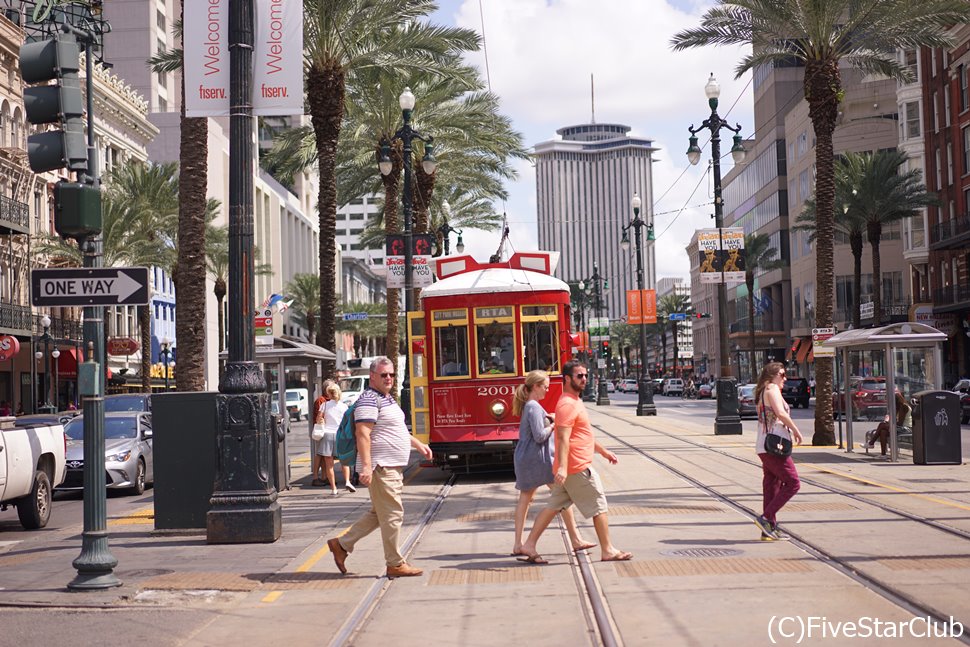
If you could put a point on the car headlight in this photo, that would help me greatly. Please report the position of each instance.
(498, 409)
(118, 458)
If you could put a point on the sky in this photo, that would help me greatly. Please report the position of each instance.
(540, 56)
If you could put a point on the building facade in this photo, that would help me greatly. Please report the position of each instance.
(584, 184)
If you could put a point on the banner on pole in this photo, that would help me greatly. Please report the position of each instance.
(421, 274)
(641, 307)
(277, 58)
(721, 255)
(599, 329)
(732, 253)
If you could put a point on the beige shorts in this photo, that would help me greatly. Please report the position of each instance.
(582, 489)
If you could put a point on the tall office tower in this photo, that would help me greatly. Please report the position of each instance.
(584, 184)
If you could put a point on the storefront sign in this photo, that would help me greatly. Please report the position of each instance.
(923, 313)
(9, 347)
(122, 346)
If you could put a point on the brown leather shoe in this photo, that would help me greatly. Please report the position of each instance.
(403, 570)
(339, 554)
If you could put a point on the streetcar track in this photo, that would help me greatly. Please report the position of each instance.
(874, 584)
(362, 612)
(957, 532)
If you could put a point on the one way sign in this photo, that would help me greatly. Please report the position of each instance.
(79, 286)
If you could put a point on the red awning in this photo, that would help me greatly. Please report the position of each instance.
(811, 356)
(67, 363)
(803, 351)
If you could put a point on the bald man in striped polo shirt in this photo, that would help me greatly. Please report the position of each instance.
(383, 448)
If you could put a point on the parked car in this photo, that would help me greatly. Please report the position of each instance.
(58, 418)
(628, 385)
(297, 403)
(796, 392)
(868, 398)
(127, 402)
(705, 391)
(351, 388)
(31, 463)
(746, 404)
(610, 388)
(965, 408)
(129, 461)
(674, 386)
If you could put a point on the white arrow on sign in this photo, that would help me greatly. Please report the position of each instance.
(121, 287)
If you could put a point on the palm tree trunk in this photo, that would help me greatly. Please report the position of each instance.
(749, 282)
(676, 352)
(823, 89)
(392, 202)
(325, 94)
(855, 242)
(874, 231)
(145, 326)
(190, 270)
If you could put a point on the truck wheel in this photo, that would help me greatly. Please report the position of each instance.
(34, 509)
(139, 486)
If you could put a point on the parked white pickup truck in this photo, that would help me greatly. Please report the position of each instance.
(32, 464)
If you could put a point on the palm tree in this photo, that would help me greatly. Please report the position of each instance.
(340, 37)
(882, 195)
(669, 304)
(759, 257)
(849, 223)
(821, 35)
(190, 265)
(304, 289)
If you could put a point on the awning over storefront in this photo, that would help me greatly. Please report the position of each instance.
(803, 350)
(67, 363)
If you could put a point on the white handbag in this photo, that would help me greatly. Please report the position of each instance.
(317, 433)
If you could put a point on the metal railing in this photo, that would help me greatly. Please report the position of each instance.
(21, 318)
(14, 212)
(943, 231)
(16, 317)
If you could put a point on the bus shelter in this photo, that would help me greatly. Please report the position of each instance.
(288, 352)
(913, 362)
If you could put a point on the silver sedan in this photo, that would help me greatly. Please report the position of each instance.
(129, 464)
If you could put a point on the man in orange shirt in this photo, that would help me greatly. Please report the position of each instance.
(576, 482)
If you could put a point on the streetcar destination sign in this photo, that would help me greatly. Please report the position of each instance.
(80, 286)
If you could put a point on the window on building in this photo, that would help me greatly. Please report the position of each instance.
(160, 19)
(803, 143)
(910, 63)
(949, 162)
(963, 88)
(946, 108)
(797, 304)
(162, 104)
(356, 232)
(936, 114)
(966, 151)
(911, 127)
(357, 216)
(357, 201)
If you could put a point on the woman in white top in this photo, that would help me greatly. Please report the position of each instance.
(330, 415)
(780, 479)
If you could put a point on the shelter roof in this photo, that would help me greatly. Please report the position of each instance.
(291, 350)
(908, 334)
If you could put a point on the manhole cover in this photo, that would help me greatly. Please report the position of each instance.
(144, 572)
(702, 552)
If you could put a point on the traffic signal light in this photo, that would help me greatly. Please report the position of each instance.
(77, 209)
(41, 61)
(702, 315)
(605, 348)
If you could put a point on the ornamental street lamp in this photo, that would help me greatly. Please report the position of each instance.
(47, 407)
(597, 285)
(166, 353)
(645, 404)
(727, 420)
(445, 230)
(406, 134)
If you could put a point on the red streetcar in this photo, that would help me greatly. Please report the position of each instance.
(482, 327)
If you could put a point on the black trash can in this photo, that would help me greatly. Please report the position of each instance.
(184, 445)
(936, 428)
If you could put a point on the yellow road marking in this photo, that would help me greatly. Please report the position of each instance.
(144, 516)
(891, 488)
(272, 596)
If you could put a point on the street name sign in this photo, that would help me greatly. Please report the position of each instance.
(678, 316)
(355, 316)
(88, 286)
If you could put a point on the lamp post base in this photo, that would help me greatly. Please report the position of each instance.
(602, 398)
(645, 404)
(244, 507)
(727, 421)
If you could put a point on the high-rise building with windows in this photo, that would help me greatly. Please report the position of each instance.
(584, 183)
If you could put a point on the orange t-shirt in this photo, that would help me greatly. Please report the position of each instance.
(571, 412)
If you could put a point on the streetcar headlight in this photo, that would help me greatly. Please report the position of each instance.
(498, 409)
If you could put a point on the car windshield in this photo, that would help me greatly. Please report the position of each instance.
(746, 391)
(121, 427)
(350, 384)
(872, 385)
(292, 396)
(124, 403)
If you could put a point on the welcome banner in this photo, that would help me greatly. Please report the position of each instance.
(277, 58)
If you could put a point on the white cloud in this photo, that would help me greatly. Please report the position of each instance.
(541, 54)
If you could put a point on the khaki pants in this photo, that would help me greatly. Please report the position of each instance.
(386, 512)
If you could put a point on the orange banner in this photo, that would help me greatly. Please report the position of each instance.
(641, 306)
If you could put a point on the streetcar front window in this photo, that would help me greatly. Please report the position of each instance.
(451, 351)
(541, 347)
(496, 348)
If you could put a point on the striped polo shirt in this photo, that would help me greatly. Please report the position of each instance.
(390, 442)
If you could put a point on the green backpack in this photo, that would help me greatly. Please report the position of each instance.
(346, 446)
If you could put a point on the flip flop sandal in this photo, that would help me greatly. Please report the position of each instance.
(584, 547)
(619, 557)
(533, 559)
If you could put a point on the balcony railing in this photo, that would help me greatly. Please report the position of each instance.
(950, 231)
(16, 317)
(951, 295)
(21, 319)
(16, 213)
